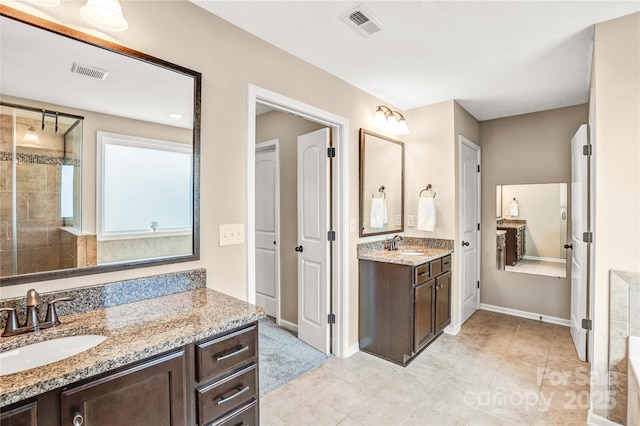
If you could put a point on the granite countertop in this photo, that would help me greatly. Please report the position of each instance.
(396, 256)
(511, 225)
(134, 331)
(500, 232)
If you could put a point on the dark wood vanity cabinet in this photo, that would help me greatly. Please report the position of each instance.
(403, 308)
(515, 243)
(211, 382)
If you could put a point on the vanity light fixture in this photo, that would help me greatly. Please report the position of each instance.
(105, 14)
(391, 121)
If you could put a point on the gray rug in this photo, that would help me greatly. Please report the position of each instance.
(282, 356)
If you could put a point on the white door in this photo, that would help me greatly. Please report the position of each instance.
(313, 247)
(267, 225)
(579, 209)
(469, 220)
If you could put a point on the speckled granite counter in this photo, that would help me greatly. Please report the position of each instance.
(397, 256)
(500, 232)
(511, 224)
(134, 331)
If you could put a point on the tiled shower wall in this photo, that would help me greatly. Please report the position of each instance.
(38, 201)
(624, 321)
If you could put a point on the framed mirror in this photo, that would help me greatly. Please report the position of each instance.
(85, 122)
(534, 221)
(381, 184)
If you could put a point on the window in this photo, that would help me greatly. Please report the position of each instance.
(144, 187)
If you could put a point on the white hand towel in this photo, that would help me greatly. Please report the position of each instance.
(426, 214)
(377, 213)
(513, 210)
(385, 217)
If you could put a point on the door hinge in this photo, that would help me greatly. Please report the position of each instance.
(331, 318)
(587, 150)
(587, 237)
(478, 284)
(587, 324)
(331, 235)
(478, 168)
(478, 227)
(331, 152)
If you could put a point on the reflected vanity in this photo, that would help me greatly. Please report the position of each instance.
(531, 228)
(381, 184)
(63, 212)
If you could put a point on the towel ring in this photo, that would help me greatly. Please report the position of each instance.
(428, 188)
(381, 189)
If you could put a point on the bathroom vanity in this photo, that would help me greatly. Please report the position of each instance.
(405, 301)
(514, 239)
(184, 358)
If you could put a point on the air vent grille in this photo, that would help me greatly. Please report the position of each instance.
(89, 71)
(363, 21)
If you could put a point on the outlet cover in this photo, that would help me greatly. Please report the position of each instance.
(231, 234)
(398, 220)
(410, 220)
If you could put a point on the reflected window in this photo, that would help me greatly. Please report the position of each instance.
(144, 187)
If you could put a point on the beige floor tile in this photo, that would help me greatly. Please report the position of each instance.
(432, 359)
(348, 421)
(413, 388)
(438, 411)
(367, 376)
(314, 381)
(425, 372)
(480, 418)
(384, 408)
(561, 407)
(313, 412)
(344, 396)
(527, 352)
(448, 345)
(475, 366)
(524, 370)
(459, 389)
(340, 366)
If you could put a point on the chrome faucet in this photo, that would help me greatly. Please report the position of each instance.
(392, 244)
(13, 327)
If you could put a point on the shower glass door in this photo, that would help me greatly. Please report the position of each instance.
(36, 147)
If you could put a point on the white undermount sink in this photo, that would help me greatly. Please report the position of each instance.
(411, 253)
(43, 353)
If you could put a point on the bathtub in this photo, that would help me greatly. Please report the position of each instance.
(633, 390)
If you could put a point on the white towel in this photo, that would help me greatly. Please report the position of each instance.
(513, 210)
(426, 214)
(385, 217)
(378, 213)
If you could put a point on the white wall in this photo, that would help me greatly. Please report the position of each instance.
(615, 106)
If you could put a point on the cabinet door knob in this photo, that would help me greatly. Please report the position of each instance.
(465, 243)
(78, 420)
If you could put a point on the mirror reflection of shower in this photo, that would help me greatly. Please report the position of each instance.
(40, 189)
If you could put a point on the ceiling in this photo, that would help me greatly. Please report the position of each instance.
(496, 58)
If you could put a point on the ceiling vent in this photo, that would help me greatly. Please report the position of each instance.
(89, 71)
(363, 21)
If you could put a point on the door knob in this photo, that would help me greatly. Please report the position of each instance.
(299, 249)
(465, 243)
(568, 246)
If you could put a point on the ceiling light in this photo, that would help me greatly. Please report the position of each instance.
(390, 121)
(105, 14)
(176, 115)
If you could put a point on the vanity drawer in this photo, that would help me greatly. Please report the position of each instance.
(446, 263)
(422, 274)
(245, 416)
(227, 352)
(436, 267)
(227, 395)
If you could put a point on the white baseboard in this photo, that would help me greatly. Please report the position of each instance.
(545, 259)
(453, 329)
(525, 314)
(288, 326)
(351, 350)
(597, 420)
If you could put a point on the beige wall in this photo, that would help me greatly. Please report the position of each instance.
(286, 128)
(615, 106)
(529, 148)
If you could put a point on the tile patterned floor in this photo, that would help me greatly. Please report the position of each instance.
(499, 370)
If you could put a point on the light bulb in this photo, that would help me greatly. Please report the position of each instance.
(105, 14)
(402, 129)
(380, 118)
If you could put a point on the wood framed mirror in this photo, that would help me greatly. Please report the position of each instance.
(70, 87)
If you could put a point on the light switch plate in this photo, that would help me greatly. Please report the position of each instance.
(398, 220)
(231, 234)
(410, 220)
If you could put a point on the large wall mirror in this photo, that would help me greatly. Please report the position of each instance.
(381, 184)
(99, 154)
(531, 228)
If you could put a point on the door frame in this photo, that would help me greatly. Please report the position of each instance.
(266, 146)
(339, 279)
(464, 141)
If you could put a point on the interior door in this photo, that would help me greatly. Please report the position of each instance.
(469, 226)
(579, 267)
(313, 248)
(267, 221)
